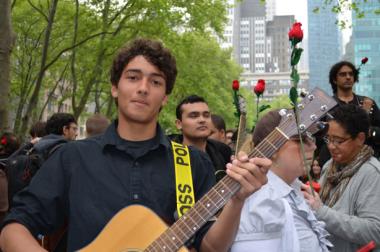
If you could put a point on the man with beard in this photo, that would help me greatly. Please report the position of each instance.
(343, 75)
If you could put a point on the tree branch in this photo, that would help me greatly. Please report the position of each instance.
(38, 10)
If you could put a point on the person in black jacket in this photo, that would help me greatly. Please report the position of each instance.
(86, 182)
(343, 76)
(194, 121)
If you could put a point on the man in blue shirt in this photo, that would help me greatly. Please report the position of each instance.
(89, 181)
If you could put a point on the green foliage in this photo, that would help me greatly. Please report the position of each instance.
(205, 70)
(264, 107)
(84, 40)
(293, 95)
(296, 55)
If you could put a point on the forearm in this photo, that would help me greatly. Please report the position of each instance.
(351, 228)
(16, 237)
(222, 233)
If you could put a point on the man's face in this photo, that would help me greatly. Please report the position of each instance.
(70, 132)
(343, 148)
(196, 120)
(140, 92)
(229, 135)
(216, 134)
(345, 78)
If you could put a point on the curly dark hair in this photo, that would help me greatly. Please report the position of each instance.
(190, 99)
(352, 118)
(38, 129)
(154, 52)
(218, 122)
(57, 121)
(334, 72)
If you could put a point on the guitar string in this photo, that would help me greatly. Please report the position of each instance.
(273, 136)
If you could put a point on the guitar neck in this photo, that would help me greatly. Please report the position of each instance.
(241, 133)
(181, 231)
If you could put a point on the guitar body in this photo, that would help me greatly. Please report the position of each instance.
(131, 230)
(137, 228)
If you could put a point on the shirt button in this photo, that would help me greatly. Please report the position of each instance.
(135, 196)
(137, 163)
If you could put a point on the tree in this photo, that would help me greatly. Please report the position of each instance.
(6, 38)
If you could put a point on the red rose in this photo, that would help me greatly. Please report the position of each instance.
(296, 32)
(3, 141)
(316, 185)
(364, 60)
(260, 87)
(235, 85)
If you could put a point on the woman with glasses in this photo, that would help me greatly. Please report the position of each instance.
(349, 200)
(277, 217)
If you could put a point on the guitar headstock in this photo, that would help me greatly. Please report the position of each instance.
(312, 107)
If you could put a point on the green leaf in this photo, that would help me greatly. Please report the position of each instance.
(264, 107)
(296, 56)
(295, 76)
(293, 95)
(316, 10)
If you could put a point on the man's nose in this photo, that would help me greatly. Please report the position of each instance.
(143, 86)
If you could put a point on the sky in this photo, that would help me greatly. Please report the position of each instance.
(299, 9)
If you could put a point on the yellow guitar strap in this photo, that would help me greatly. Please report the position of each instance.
(183, 178)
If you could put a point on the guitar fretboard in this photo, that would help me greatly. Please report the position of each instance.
(181, 231)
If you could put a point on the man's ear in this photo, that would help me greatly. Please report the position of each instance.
(65, 130)
(361, 137)
(178, 124)
(114, 91)
(164, 101)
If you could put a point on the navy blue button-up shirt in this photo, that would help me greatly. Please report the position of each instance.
(89, 181)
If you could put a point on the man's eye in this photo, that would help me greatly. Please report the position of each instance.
(132, 77)
(157, 82)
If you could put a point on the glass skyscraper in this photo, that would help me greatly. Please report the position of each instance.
(366, 40)
(324, 44)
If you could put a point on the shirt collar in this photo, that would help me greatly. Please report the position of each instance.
(112, 137)
(282, 188)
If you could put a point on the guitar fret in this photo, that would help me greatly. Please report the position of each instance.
(178, 229)
(195, 210)
(270, 144)
(193, 227)
(161, 244)
(168, 242)
(216, 198)
(259, 152)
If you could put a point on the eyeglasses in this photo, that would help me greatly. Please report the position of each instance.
(334, 141)
(344, 74)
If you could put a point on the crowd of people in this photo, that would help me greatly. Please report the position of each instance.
(81, 184)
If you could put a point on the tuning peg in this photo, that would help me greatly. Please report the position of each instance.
(329, 116)
(310, 97)
(282, 112)
(300, 106)
(313, 117)
(323, 108)
(304, 93)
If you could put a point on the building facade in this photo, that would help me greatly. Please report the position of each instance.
(366, 43)
(324, 43)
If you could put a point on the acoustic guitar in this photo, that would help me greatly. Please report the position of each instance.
(136, 228)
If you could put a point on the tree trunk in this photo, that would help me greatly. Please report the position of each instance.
(33, 102)
(6, 39)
